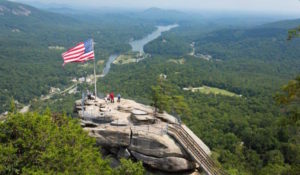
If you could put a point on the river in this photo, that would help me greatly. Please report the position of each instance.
(138, 45)
(108, 63)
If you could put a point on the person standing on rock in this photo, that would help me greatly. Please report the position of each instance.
(119, 98)
(112, 96)
(89, 95)
(106, 98)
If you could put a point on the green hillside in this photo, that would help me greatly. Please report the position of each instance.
(284, 24)
(245, 133)
(249, 134)
(29, 68)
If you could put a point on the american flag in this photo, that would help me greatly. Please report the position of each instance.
(82, 52)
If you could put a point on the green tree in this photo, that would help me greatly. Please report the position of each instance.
(13, 108)
(179, 106)
(275, 157)
(273, 169)
(161, 95)
(128, 167)
(289, 99)
(43, 144)
(166, 98)
(53, 144)
(293, 33)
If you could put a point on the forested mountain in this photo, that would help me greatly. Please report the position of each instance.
(284, 24)
(268, 42)
(29, 19)
(262, 50)
(248, 132)
(162, 16)
(32, 41)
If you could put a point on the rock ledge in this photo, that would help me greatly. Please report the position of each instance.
(130, 129)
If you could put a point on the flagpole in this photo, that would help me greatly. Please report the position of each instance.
(95, 79)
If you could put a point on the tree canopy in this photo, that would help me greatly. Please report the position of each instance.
(293, 33)
(52, 144)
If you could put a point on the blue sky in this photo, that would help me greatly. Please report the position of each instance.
(273, 6)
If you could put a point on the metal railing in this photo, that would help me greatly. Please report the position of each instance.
(195, 150)
(163, 130)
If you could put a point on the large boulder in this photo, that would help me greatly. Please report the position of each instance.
(112, 136)
(167, 118)
(130, 129)
(143, 119)
(170, 164)
(153, 141)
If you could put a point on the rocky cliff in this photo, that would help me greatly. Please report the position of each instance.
(129, 129)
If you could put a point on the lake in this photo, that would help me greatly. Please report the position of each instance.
(138, 45)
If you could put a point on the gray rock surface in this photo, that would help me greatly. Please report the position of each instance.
(123, 153)
(132, 129)
(143, 119)
(112, 136)
(138, 112)
(170, 164)
(154, 144)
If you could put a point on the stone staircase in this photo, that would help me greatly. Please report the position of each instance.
(194, 149)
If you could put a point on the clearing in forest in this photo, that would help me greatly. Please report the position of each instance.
(211, 90)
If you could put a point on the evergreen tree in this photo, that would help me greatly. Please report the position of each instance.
(13, 108)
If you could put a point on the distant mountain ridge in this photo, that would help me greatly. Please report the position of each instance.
(163, 15)
(283, 24)
(159, 11)
(16, 9)
(25, 17)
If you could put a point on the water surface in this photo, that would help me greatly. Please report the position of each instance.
(138, 45)
(108, 64)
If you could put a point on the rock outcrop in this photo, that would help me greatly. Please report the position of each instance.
(18, 11)
(129, 129)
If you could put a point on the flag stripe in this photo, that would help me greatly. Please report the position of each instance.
(76, 47)
(90, 57)
(80, 53)
(82, 57)
(73, 56)
(74, 52)
(87, 55)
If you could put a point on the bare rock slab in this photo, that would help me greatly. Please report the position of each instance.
(143, 119)
(111, 136)
(170, 164)
(151, 143)
(138, 112)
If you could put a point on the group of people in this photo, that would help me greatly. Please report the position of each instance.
(111, 97)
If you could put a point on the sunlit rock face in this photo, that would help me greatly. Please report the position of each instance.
(17, 10)
(129, 129)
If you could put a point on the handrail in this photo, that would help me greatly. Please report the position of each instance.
(189, 149)
(192, 147)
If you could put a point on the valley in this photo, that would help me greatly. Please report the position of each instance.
(218, 75)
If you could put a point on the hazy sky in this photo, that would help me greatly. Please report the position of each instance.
(280, 6)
